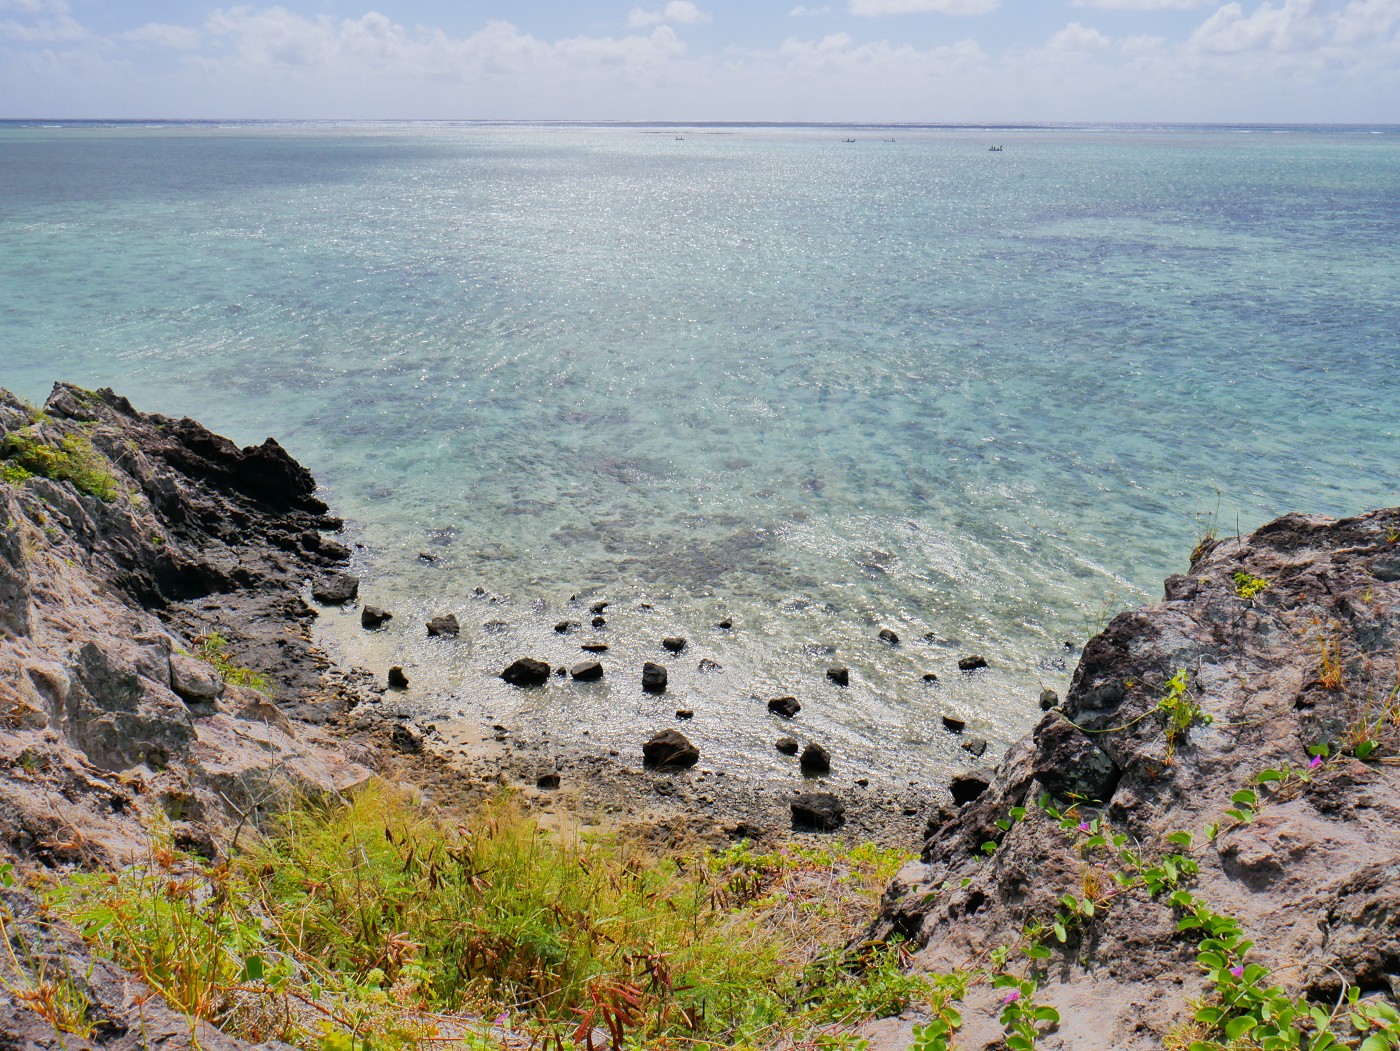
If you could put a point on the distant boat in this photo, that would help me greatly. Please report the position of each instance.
(994, 149)
(889, 140)
(850, 140)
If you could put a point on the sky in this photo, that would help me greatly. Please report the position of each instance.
(921, 61)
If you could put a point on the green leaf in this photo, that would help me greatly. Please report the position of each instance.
(1237, 1027)
(253, 970)
(1059, 929)
(1245, 797)
(1365, 748)
(1265, 776)
(1321, 749)
(1047, 1014)
(1182, 839)
(989, 847)
(1375, 1043)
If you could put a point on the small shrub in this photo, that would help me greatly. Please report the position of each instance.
(214, 649)
(1247, 585)
(71, 459)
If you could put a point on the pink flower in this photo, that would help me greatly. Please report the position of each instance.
(502, 1019)
(1083, 826)
(1011, 997)
(1316, 762)
(1237, 970)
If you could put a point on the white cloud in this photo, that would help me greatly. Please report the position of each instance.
(1292, 27)
(1076, 37)
(803, 11)
(871, 8)
(159, 34)
(1142, 5)
(53, 22)
(682, 12)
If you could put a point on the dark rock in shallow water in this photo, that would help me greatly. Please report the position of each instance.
(889, 636)
(598, 607)
(445, 625)
(969, 786)
(708, 665)
(976, 746)
(786, 745)
(653, 677)
(815, 759)
(954, 724)
(565, 626)
(526, 671)
(972, 663)
(725, 624)
(839, 675)
(670, 748)
(336, 589)
(819, 811)
(684, 713)
(930, 677)
(561, 671)
(673, 643)
(372, 617)
(598, 622)
(405, 740)
(424, 556)
(397, 679)
(594, 646)
(587, 671)
(1048, 700)
(787, 707)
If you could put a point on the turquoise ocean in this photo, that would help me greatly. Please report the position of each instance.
(818, 387)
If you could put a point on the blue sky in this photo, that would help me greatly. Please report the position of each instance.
(881, 60)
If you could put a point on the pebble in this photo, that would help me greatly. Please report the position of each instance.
(787, 707)
(839, 675)
(397, 679)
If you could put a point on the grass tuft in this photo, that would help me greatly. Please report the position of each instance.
(70, 459)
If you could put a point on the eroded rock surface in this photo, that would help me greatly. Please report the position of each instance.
(1309, 659)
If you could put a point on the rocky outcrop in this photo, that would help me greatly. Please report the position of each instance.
(1270, 645)
(147, 535)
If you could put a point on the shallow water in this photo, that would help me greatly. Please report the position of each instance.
(820, 388)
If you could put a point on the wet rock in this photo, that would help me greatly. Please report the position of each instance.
(549, 781)
(684, 713)
(526, 671)
(787, 707)
(670, 748)
(594, 646)
(969, 786)
(406, 740)
(335, 589)
(397, 679)
(587, 671)
(786, 745)
(561, 671)
(972, 662)
(1048, 700)
(598, 607)
(818, 811)
(598, 622)
(372, 617)
(673, 643)
(445, 625)
(707, 665)
(653, 677)
(815, 759)
(725, 624)
(839, 675)
(889, 636)
(495, 627)
(566, 626)
(426, 556)
(977, 746)
(954, 724)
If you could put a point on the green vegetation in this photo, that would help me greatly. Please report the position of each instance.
(70, 459)
(374, 925)
(1248, 585)
(214, 649)
(29, 980)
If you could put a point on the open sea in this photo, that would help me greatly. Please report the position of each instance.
(818, 387)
